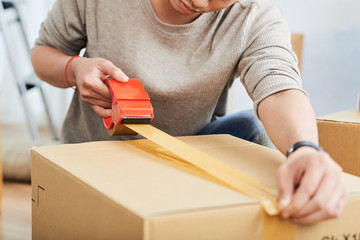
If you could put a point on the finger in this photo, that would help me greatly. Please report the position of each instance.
(102, 112)
(100, 103)
(91, 97)
(286, 186)
(343, 201)
(110, 69)
(312, 218)
(309, 184)
(322, 215)
(327, 196)
(102, 90)
(93, 87)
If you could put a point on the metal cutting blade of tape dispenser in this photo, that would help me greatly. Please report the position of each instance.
(130, 105)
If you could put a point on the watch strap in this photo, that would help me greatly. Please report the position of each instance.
(300, 144)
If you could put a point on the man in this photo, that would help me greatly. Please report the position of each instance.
(187, 53)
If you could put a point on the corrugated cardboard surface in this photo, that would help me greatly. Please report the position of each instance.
(339, 135)
(133, 190)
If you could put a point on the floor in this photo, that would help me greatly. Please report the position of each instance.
(15, 217)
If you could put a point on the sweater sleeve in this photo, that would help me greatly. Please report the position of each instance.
(268, 64)
(65, 27)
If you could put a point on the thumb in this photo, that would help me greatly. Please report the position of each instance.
(110, 69)
(286, 187)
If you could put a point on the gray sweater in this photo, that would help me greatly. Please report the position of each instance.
(186, 69)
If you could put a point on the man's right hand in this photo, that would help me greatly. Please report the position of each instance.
(88, 75)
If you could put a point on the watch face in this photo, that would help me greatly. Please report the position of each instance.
(290, 150)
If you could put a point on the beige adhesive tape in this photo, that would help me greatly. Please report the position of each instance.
(226, 174)
(238, 180)
(276, 228)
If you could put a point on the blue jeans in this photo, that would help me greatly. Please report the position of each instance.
(244, 125)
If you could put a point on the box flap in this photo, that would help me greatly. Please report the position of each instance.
(139, 175)
(348, 116)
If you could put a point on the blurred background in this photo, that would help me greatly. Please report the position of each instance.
(32, 13)
(330, 61)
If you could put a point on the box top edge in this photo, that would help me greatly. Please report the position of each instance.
(348, 116)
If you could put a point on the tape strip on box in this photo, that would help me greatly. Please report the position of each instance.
(273, 226)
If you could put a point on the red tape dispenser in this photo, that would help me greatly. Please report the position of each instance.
(130, 105)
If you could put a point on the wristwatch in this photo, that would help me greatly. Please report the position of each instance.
(302, 144)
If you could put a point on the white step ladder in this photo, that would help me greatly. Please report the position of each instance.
(24, 85)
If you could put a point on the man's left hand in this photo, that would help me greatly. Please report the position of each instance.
(311, 187)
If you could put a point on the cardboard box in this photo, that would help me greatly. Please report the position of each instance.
(133, 190)
(339, 135)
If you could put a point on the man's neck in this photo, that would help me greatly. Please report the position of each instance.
(166, 13)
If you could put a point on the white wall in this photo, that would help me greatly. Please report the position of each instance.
(331, 69)
(331, 65)
(32, 13)
(331, 57)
